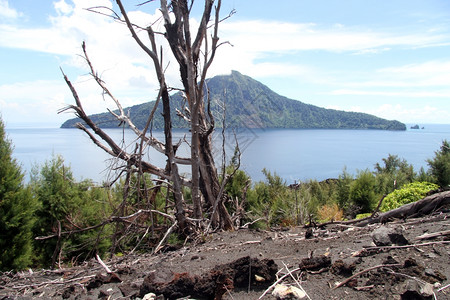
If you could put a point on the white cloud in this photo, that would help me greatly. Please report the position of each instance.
(267, 48)
(263, 36)
(409, 94)
(6, 11)
(260, 49)
(38, 39)
(62, 7)
(36, 101)
(39, 101)
(421, 113)
(430, 73)
(124, 67)
(427, 80)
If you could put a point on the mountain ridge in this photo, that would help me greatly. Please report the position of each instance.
(249, 103)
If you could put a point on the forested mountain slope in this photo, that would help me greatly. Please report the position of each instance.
(250, 103)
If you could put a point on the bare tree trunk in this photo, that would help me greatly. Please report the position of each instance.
(211, 187)
(187, 53)
(194, 63)
(171, 164)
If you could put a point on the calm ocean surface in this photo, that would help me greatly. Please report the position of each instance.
(294, 154)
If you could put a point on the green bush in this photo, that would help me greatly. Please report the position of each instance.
(17, 208)
(67, 205)
(440, 165)
(139, 192)
(272, 200)
(392, 174)
(343, 189)
(362, 191)
(408, 193)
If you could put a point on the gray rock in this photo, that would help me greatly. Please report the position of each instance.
(414, 290)
(387, 236)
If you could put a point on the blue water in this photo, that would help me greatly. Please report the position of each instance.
(294, 154)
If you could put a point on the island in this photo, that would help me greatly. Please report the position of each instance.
(251, 104)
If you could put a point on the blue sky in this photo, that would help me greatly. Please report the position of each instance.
(387, 58)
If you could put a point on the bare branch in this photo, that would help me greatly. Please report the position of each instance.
(130, 26)
(277, 282)
(364, 271)
(143, 3)
(127, 219)
(122, 116)
(114, 150)
(113, 14)
(169, 231)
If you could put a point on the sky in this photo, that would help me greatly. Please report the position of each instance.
(387, 58)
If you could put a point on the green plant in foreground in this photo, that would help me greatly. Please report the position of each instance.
(440, 165)
(17, 207)
(408, 193)
(67, 205)
(362, 191)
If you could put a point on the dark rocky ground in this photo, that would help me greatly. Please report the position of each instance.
(243, 264)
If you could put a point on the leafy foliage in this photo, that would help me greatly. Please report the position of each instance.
(139, 192)
(17, 207)
(53, 198)
(67, 205)
(237, 185)
(270, 200)
(440, 165)
(362, 191)
(393, 174)
(407, 194)
(343, 190)
(279, 204)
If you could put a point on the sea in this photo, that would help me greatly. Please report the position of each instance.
(295, 155)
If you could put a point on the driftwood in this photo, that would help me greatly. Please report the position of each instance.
(416, 209)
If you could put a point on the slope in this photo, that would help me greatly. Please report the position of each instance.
(250, 103)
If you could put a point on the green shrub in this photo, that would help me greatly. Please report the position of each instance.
(440, 165)
(408, 193)
(343, 189)
(392, 174)
(17, 208)
(362, 191)
(67, 205)
(272, 200)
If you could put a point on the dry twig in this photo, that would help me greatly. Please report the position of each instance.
(159, 247)
(426, 236)
(296, 281)
(357, 253)
(100, 261)
(364, 271)
(278, 281)
(57, 281)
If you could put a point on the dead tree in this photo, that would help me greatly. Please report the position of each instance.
(194, 54)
